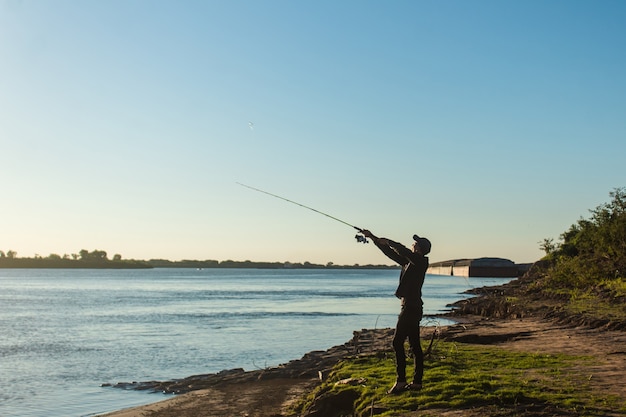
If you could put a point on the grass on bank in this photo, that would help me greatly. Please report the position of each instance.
(461, 376)
(590, 305)
(604, 301)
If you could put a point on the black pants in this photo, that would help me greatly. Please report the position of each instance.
(409, 326)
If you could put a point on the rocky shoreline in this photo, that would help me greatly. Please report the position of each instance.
(270, 392)
(313, 365)
(506, 316)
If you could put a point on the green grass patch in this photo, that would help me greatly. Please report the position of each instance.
(617, 286)
(589, 304)
(459, 376)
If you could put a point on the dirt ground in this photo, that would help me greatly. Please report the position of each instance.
(251, 399)
(271, 398)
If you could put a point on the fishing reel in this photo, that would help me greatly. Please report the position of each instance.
(361, 239)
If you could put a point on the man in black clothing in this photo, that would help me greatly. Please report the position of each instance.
(414, 265)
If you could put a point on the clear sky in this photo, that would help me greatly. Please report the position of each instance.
(486, 126)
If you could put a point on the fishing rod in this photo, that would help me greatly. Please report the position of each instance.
(358, 237)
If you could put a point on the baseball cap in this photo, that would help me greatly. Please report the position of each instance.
(423, 243)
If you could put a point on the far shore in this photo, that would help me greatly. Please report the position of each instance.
(64, 263)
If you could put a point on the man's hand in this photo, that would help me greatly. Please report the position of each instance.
(367, 233)
(379, 240)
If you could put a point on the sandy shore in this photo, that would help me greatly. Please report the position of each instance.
(260, 394)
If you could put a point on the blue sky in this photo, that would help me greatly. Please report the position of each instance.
(486, 126)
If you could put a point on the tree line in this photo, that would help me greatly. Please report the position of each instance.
(82, 259)
(99, 259)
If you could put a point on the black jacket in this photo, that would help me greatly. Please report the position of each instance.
(414, 268)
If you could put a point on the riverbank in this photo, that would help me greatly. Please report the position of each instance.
(513, 319)
(272, 392)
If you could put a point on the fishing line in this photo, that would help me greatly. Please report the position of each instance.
(359, 238)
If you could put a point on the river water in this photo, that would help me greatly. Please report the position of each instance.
(64, 333)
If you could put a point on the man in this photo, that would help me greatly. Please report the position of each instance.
(414, 265)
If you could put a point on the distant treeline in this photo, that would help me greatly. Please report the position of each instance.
(83, 259)
(163, 263)
(71, 263)
(98, 259)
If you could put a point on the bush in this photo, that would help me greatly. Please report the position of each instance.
(593, 250)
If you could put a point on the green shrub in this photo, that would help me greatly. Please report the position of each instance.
(592, 251)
